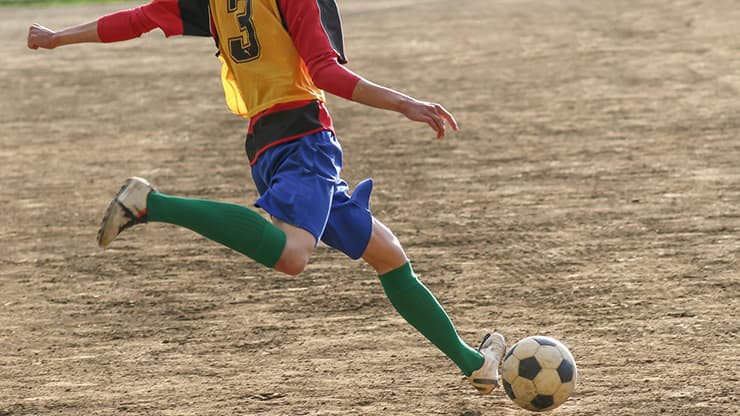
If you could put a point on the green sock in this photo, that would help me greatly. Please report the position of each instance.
(234, 226)
(419, 307)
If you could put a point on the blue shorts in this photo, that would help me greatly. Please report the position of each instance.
(299, 184)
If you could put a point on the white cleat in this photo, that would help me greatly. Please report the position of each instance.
(128, 208)
(485, 379)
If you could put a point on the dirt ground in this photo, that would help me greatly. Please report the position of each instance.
(592, 195)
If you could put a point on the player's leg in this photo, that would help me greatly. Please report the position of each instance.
(234, 226)
(296, 188)
(353, 230)
(278, 245)
(413, 300)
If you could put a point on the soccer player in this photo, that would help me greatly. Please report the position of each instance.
(278, 57)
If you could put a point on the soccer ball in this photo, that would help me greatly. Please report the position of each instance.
(539, 373)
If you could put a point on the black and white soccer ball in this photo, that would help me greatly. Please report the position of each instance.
(539, 373)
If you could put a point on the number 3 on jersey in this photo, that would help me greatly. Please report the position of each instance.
(241, 49)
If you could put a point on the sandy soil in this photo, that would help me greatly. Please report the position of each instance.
(592, 195)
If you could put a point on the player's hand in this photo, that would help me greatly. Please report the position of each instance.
(41, 37)
(431, 113)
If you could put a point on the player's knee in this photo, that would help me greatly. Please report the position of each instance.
(299, 246)
(384, 252)
(294, 260)
(384, 238)
(292, 267)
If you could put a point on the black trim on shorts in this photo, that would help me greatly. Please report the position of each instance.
(274, 127)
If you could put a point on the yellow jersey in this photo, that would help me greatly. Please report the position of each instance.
(260, 64)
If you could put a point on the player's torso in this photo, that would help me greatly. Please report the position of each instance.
(261, 64)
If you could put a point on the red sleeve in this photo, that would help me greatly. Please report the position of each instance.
(132, 23)
(303, 20)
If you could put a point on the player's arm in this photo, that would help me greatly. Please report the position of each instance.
(318, 39)
(173, 17)
(378, 96)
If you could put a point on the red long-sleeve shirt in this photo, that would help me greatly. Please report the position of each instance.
(301, 18)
